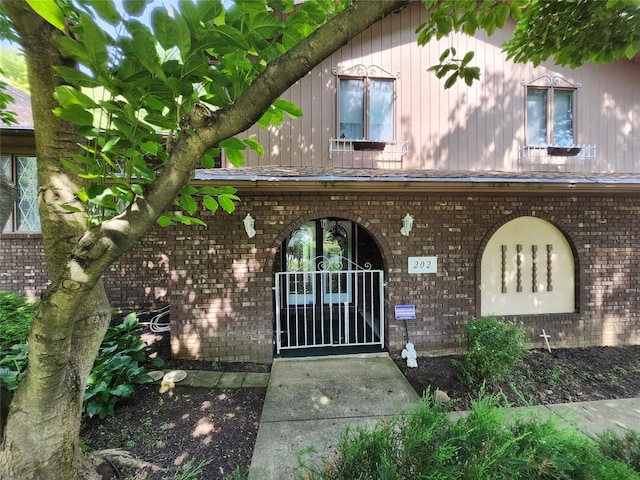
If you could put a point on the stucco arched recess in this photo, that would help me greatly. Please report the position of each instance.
(557, 223)
(387, 257)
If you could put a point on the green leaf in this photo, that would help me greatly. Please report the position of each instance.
(106, 10)
(444, 55)
(235, 157)
(254, 145)
(143, 46)
(162, 27)
(231, 38)
(70, 208)
(70, 48)
(233, 143)
(94, 43)
(182, 36)
(74, 114)
(188, 204)
(122, 391)
(112, 142)
(210, 203)
(209, 10)
(502, 12)
(266, 25)
(291, 108)
(135, 7)
(227, 203)
(50, 11)
(163, 221)
(150, 148)
(467, 58)
(451, 80)
(67, 95)
(75, 76)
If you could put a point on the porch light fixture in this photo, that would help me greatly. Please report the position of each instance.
(249, 225)
(407, 225)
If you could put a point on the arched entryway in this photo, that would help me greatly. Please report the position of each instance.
(329, 290)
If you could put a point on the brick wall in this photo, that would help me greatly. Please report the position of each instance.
(226, 281)
(22, 267)
(219, 282)
(138, 281)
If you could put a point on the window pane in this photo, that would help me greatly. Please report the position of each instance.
(352, 109)
(536, 116)
(381, 110)
(300, 258)
(27, 180)
(5, 167)
(563, 117)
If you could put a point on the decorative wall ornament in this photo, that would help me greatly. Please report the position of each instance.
(249, 225)
(407, 225)
(551, 81)
(534, 268)
(519, 268)
(363, 71)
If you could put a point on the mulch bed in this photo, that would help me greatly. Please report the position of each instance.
(187, 426)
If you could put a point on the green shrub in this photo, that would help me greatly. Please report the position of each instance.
(16, 314)
(118, 366)
(13, 365)
(116, 369)
(484, 444)
(625, 448)
(494, 347)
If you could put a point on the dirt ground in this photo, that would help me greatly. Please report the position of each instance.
(564, 375)
(183, 427)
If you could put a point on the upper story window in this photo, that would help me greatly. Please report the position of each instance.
(366, 97)
(550, 112)
(22, 171)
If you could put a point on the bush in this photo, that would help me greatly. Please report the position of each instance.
(116, 369)
(485, 444)
(13, 365)
(16, 315)
(494, 347)
(625, 448)
(118, 366)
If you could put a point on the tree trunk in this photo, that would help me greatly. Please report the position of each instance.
(41, 438)
(8, 196)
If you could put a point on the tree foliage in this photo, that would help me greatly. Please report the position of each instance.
(573, 32)
(570, 32)
(135, 88)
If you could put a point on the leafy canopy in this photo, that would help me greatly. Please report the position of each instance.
(133, 89)
(570, 32)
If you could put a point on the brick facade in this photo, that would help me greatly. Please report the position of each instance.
(219, 282)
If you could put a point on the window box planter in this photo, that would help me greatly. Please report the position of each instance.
(563, 151)
(366, 145)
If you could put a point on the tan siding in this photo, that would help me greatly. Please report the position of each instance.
(463, 128)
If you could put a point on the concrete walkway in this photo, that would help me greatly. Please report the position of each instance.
(309, 402)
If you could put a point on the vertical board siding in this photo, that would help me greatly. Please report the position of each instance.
(463, 128)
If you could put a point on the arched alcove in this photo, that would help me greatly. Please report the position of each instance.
(527, 268)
